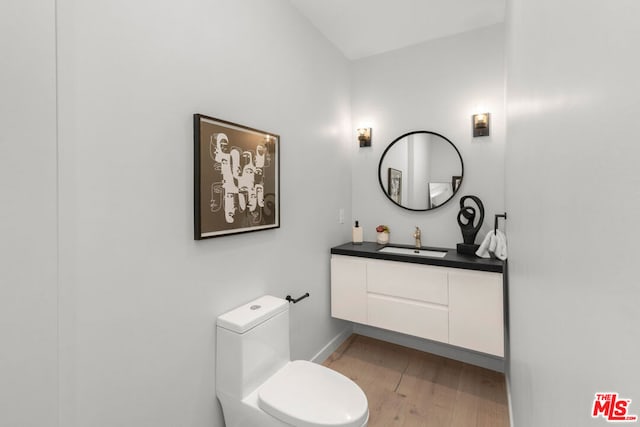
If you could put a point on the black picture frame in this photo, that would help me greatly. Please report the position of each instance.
(394, 185)
(456, 181)
(236, 178)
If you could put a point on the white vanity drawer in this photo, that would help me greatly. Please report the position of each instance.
(423, 320)
(412, 281)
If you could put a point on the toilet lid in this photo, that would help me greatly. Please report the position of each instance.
(306, 394)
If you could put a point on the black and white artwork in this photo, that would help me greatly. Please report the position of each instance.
(394, 185)
(236, 178)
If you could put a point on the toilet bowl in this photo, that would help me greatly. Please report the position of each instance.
(258, 385)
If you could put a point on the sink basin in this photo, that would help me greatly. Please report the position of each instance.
(413, 252)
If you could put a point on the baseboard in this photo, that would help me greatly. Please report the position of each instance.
(328, 349)
(471, 357)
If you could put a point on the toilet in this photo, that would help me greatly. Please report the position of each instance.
(259, 386)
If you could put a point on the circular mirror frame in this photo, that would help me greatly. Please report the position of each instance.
(400, 138)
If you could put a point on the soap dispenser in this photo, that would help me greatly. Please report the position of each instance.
(357, 235)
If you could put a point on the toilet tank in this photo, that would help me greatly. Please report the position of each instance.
(252, 343)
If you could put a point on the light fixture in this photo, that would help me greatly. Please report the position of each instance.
(364, 137)
(480, 124)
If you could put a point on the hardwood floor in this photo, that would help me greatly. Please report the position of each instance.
(407, 387)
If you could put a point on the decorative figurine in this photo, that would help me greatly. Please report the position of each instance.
(469, 230)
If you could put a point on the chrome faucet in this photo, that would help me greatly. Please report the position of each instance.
(418, 236)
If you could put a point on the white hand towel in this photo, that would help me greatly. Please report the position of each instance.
(494, 243)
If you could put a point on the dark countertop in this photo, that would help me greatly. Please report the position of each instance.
(451, 259)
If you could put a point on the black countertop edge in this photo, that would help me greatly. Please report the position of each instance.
(452, 259)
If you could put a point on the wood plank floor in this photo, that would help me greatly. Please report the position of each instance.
(407, 387)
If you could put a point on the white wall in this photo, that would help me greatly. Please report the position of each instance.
(28, 218)
(137, 296)
(432, 86)
(573, 200)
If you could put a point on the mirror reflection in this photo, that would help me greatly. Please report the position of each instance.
(420, 170)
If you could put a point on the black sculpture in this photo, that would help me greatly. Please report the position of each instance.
(469, 230)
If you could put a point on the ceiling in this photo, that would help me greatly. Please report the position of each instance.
(362, 28)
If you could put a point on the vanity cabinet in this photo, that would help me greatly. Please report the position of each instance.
(457, 306)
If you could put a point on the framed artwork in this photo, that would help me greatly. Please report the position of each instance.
(236, 178)
(455, 182)
(394, 185)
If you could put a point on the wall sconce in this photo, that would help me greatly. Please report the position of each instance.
(481, 124)
(364, 137)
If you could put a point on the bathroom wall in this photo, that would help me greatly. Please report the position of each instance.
(434, 86)
(573, 201)
(28, 213)
(131, 316)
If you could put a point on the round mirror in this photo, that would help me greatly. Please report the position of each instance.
(420, 170)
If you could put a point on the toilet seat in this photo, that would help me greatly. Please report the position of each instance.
(305, 394)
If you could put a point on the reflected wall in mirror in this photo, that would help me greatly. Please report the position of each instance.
(420, 170)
